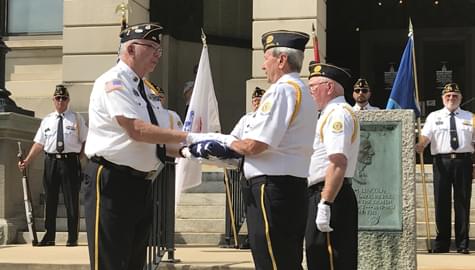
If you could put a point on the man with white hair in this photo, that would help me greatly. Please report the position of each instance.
(125, 154)
(450, 132)
(331, 237)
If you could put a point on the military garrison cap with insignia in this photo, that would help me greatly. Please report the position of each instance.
(284, 38)
(335, 73)
(149, 31)
(61, 91)
(361, 84)
(258, 92)
(451, 88)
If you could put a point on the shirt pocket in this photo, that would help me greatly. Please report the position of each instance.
(466, 131)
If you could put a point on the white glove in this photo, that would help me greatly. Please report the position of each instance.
(323, 217)
(198, 137)
(185, 152)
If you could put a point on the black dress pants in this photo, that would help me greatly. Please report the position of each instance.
(64, 173)
(456, 173)
(118, 218)
(276, 214)
(339, 247)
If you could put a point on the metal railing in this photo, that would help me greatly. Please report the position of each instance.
(235, 208)
(162, 234)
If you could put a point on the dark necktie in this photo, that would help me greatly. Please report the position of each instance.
(454, 142)
(160, 151)
(60, 135)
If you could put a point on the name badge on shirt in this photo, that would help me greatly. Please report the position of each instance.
(439, 123)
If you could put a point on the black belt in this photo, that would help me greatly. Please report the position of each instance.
(275, 178)
(319, 186)
(455, 155)
(62, 155)
(151, 175)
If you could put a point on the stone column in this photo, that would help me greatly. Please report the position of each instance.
(295, 15)
(13, 128)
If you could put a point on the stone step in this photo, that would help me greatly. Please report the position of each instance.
(200, 212)
(61, 224)
(422, 244)
(209, 239)
(62, 211)
(188, 199)
(61, 238)
(421, 229)
(199, 225)
(420, 215)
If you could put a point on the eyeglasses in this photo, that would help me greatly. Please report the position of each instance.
(364, 91)
(63, 98)
(158, 50)
(315, 85)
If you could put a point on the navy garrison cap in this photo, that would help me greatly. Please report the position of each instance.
(451, 87)
(258, 92)
(335, 73)
(149, 31)
(361, 84)
(61, 91)
(284, 38)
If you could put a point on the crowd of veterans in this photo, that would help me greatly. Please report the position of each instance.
(299, 147)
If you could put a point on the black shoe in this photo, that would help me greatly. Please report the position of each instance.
(463, 251)
(71, 243)
(440, 250)
(46, 243)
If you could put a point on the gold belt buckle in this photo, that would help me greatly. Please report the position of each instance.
(453, 155)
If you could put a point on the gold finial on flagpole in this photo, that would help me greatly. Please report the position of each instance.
(411, 29)
(203, 37)
(123, 8)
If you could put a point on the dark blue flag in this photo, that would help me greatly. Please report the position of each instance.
(402, 94)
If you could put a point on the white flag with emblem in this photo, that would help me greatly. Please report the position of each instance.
(202, 116)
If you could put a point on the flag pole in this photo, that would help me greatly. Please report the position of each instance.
(203, 38)
(316, 52)
(421, 155)
(123, 9)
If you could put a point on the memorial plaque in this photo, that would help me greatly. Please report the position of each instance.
(443, 76)
(389, 77)
(377, 181)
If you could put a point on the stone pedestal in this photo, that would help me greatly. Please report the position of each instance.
(13, 128)
(385, 186)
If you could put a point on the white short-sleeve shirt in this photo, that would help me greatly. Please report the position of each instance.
(74, 130)
(337, 132)
(437, 129)
(289, 136)
(238, 130)
(115, 93)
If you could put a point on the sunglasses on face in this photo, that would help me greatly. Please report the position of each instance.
(364, 91)
(63, 98)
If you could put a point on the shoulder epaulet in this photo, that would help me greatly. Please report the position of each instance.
(298, 100)
(152, 88)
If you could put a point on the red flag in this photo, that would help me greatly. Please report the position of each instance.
(316, 53)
